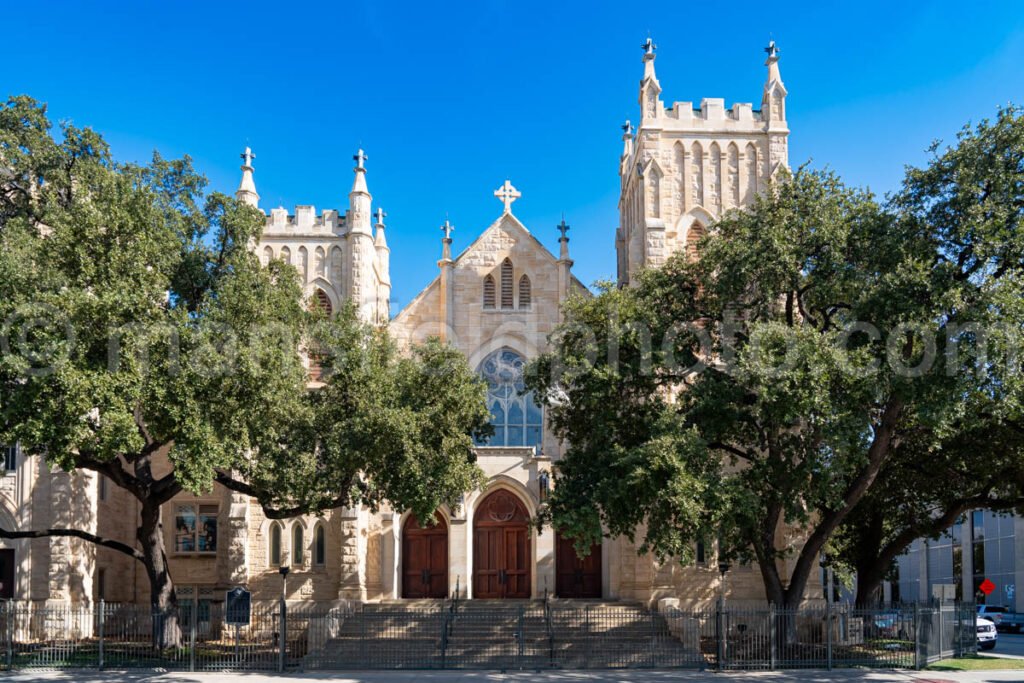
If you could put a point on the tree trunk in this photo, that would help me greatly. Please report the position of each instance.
(164, 600)
(869, 586)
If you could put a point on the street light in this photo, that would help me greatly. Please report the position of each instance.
(284, 581)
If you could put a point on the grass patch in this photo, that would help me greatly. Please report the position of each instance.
(978, 664)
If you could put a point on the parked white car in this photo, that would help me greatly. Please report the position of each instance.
(987, 634)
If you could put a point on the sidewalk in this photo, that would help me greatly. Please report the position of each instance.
(524, 677)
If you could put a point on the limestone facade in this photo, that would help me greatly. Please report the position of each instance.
(685, 166)
(497, 302)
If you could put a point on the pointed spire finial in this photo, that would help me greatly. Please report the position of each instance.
(649, 48)
(246, 191)
(507, 194)
(360, 159)
(563, 228)
(772, 50)
(448, 229)
(627, 128)
(380, 215)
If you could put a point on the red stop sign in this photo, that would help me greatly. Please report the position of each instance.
(986, 587)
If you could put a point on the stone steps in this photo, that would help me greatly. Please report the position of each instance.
(498, 635)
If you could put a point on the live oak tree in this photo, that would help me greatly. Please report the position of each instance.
(754, 396)
(142, 340)
(927, 486)
(969, 200)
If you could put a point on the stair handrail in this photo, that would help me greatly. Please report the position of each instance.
(549, 625)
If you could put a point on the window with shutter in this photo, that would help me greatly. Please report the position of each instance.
(693, 236)
(506, 284)
(524, 292)
(489, 295)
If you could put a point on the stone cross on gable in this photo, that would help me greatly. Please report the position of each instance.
(247, 157)
(649, 47)
(563, 228)
(360, 159)
(772, 50)
(448, 229)
(507, 194)
(380, 216)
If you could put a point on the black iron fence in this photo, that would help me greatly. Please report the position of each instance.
(468, 635)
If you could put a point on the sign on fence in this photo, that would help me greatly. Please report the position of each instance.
(238, 607)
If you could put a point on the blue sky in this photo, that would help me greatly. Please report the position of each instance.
(450, 99)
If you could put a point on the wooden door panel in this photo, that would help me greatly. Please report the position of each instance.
(486, 564)
(438, 584)
(7, 574)
(425, 559)
(576, 577)
(517, 563)
(501, 548)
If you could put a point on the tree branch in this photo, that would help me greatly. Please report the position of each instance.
(269, 511)
(77, 533)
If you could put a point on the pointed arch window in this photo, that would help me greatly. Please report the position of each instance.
(320, 546)
(286, 255)
(298, 545)
(275, 545)
(525, 293)
(323, 302)
(489, 293)
(507, 273)
(268, 255)
(516, 417)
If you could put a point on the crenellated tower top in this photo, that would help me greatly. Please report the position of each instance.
(684, 166)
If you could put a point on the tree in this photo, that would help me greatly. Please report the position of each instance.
(765, 386)
(142, 340)
(969, 199)
(922, 491)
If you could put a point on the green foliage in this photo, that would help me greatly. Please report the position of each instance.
(138, 325)
(819, 338)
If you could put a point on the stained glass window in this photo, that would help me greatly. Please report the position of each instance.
(515, 416)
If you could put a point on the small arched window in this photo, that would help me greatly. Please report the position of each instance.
(275, 545)
(506, 284)
(489, 295)
(693, 237)
(319, 546)
(286, 255)
(268, 255)
(298, 543)
(524, 292)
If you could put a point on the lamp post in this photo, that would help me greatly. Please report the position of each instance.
(283, 645)
(720, 625)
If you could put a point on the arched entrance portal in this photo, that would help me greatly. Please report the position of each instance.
(576, 577)
(425, 558)
(501, 547)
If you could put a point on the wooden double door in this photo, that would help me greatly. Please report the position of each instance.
(7, 574)
(575, 576)
(425, 559)
(501, 548)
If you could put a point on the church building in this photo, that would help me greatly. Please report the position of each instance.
(497, 302)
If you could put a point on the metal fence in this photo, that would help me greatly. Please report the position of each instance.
(467, 635)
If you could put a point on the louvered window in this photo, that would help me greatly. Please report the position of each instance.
(524, 292)
(693, 236)
(321, 302)
(506, 284)
(489, 295)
